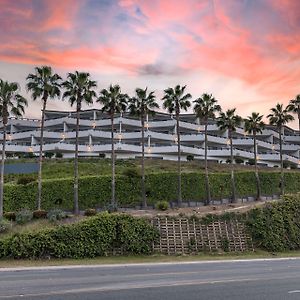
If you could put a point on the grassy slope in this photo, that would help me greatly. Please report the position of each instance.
(61, 168)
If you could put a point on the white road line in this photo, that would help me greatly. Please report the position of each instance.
(294, 292)
(69, 267)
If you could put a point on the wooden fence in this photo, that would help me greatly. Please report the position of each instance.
(187, 236)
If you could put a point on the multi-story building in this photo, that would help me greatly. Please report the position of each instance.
(160, 138)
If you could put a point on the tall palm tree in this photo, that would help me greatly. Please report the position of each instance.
(206, 107)
(144, 103)
(43, 84)
(294, 106)
(79, 89)
(254, 125)
(279, 117)
(175, 100)
(11, 103)
(230, 121)
(113, 101)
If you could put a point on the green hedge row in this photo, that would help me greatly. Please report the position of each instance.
(95, 236)
(276, 226)
(95, 191)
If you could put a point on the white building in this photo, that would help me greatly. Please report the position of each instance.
(160, 138)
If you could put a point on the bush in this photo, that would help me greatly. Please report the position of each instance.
(49, 154)
(56, 215)
(90, 212)
(190, 157)
(102, 155)
(4, 225)
(95, 236)
(25, 180)
(239, 160)
(286, 164)
(131, 173)
(58, 155)
(39, 214)
(10, 215)
(162, 205)
(24, 216)
(251, 161)
(276, 226)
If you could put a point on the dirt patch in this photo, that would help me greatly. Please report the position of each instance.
(199, 211)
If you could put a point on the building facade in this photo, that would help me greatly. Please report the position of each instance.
(160, 138)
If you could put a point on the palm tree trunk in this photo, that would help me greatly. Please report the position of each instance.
(2, 170)
(299, 122)
(76, 206)
(179, 197)
(232, 169)
(39, 196)
(144, 200)
(281, 163)
(113, 183)
(256, 169)
(207, 186)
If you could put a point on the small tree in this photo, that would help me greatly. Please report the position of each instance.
(176, 100)
(11, 103)
(279, 117)
(79, 89)
(230, 121)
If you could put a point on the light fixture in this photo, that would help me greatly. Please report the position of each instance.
(30, 149)
(94, 125)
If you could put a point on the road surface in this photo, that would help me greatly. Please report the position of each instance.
(247, 279)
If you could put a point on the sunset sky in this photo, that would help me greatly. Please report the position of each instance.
(245, 52)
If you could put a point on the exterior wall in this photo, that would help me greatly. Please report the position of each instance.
(160, 138)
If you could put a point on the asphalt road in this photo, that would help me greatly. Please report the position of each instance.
(255, 279)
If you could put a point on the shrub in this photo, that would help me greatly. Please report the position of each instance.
(239, 160)
(251, 161)
(190, 157)
(58, 155)
(49, 154)
(56, 215)
(10, 215)
(286, 164)
(162, 205)
(131, 173)
(25, 180)
(228, 161)
(276, 226)
(24, 216)
(39, 214)
(4, 225)
(90, 212)
(95, 236)
(102, 155)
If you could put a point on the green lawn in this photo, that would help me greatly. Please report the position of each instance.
(62, 168)
(145, 259)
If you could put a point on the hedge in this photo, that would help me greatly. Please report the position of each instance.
(95, 191)
(276, 226)
(95, 236)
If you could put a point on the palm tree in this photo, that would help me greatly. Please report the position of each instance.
(230, 121)
(113, 102)
(294, 106)
(11, 103)
(176, 100)
(140, 106)
(279, 117)
(254, 125)
(79, 89)
(43, 84)
(206, 107)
